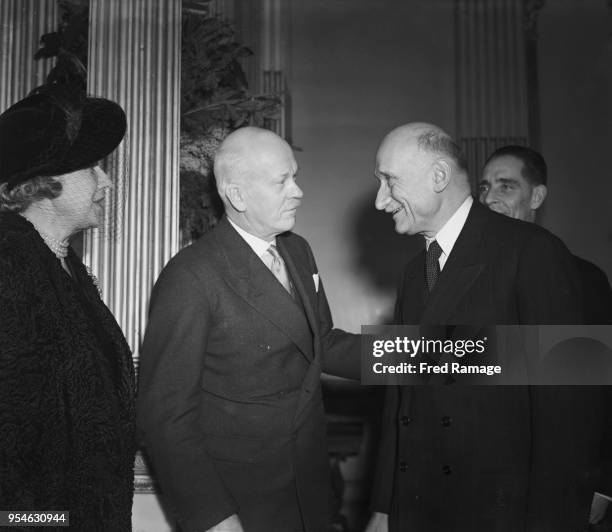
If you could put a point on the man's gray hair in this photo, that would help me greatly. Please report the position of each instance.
(440, 143)
(230, 166)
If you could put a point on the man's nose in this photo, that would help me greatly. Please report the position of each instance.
(297, 191)
(382, 197)
(487, 197)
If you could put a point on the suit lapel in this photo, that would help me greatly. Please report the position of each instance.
(413, 298)
(302, 281)
(463, 267)
(249, 277)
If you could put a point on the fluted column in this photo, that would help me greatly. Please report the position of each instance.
(532, 9)
(490, 76)
(22, 23)
(264, 26)
(134, 59)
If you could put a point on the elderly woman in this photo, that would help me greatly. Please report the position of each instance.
(67, 437)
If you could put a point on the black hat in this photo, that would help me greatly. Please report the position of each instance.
(56, 130)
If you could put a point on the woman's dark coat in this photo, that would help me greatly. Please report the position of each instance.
(67, 437)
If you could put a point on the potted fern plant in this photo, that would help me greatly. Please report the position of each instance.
(215, 98)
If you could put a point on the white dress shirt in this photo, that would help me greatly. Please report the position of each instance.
(447, 236)
(258, 245)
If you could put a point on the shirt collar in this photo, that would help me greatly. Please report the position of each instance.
(447, 236)
(258, 245)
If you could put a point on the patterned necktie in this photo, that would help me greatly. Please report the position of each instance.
(432, 264)
(276, 264)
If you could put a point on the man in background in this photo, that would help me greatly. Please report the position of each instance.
(514, 183)
(478, 458)
(239, 332)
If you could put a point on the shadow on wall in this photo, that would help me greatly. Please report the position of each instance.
(381, 253)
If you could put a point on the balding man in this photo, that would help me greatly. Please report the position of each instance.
(478, 458)
(239, 332)
(514, 183)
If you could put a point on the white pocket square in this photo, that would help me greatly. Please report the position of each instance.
(315, 278)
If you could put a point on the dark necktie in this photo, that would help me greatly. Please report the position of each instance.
(432, 264)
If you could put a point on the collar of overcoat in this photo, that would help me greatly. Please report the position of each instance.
(462, 269)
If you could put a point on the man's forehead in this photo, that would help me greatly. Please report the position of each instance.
(504, 166)
(269, 149)
(505, 162)
(272, 165)
(395, 153)
(384, 168)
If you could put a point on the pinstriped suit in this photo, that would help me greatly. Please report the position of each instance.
(230, 400)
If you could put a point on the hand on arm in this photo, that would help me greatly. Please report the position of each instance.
(341, 349)
(231, 524)
(598, 508)
(379, 522)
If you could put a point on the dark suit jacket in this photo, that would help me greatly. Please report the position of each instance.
(597, 293)
(492, 458)
(230, 399)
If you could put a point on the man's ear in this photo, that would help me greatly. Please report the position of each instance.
(234, 195)
(538, 195)
(441, 174)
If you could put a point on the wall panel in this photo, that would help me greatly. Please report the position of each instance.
(490, 77)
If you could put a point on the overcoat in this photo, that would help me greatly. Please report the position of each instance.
(597, 293)
(493, 458)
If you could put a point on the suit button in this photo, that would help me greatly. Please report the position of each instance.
(446, 470)
(446, 421)
(403, 467)
(405, 420)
